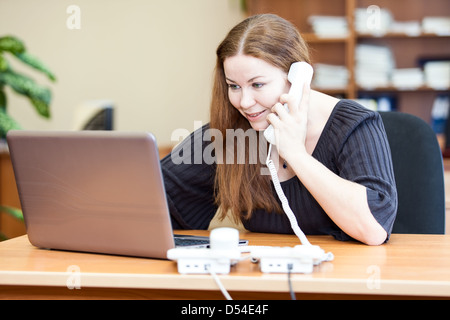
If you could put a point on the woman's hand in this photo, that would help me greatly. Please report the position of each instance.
(291, 127)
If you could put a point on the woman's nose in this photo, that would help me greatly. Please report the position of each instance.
(247, 99)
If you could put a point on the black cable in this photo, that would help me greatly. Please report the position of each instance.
(291, 291)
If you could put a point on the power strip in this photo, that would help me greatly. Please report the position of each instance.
(277, 265)
(224, 250)
(197, 266)
(299, 259)
(198, 261)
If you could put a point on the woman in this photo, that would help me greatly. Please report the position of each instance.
(333, 156)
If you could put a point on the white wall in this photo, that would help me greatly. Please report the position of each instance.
(154, 59)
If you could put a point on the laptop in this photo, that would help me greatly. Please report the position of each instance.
(94, 191)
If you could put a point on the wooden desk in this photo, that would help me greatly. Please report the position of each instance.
(408, 266)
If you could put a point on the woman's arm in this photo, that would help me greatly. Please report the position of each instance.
(344, 200)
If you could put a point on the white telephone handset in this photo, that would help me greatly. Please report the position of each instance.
(299, 74)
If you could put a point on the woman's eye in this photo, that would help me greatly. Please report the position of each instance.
(258, 85)
(233, 86)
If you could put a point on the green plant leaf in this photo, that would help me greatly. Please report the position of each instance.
(24, 85)
(13, 212)
(11, 44)
(41, 107)
(2, 98)
(7, 123)
(3, 63)
(39, 96)
(35, 63)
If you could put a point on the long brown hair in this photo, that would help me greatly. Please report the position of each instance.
(240, 187)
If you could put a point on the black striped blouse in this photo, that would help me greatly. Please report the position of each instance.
(353, 145)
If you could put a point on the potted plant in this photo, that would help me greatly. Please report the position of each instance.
(38, 95)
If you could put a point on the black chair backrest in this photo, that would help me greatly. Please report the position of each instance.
(419, 175)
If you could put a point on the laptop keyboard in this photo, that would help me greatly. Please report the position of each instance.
(183, 241)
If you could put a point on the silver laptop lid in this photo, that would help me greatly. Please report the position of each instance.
(94, 191)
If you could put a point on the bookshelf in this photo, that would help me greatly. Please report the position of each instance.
(407, 50)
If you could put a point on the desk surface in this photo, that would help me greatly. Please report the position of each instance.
(409, 265)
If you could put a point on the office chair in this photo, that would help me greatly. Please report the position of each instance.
(419, 175)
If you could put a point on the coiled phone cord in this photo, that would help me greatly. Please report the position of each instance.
(284, 201)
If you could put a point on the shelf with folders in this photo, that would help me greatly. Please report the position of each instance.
(412, 32)
(415, 35)
(332, 50)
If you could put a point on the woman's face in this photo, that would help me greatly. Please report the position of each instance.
(254, 87)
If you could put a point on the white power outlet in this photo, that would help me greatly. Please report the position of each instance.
(199, 266)
(217, 259)
(277, 265)
(299, 259)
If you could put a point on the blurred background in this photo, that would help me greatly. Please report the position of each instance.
(153, 60)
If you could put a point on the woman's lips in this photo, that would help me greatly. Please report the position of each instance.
(255, 116)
